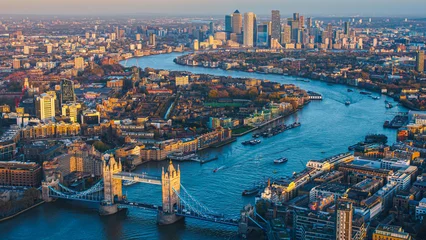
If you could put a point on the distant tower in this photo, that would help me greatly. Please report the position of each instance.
(196, 45)
(228, 23)
(420, 61)
(344, 214)
(249, 23)
(211, 28)
(276, 25)
(237, 22)
(347, 26)
(67, 91)
(152, 40)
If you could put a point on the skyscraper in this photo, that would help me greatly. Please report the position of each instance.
(420, 61)
(237, 22)
(262, 35)
(286, 34)
(211, 28)
(67, 91)
(249, 23)
(276, 25)
(228, 23)
(344, 214)
(347, 26)
(45, 106)
(309, 22)
(152, 41)
(296, 16)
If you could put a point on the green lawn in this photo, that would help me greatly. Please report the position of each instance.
(241, 129)
(216, 104)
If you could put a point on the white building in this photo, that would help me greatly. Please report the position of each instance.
(421, 209)
(401, 179)
(45, 106)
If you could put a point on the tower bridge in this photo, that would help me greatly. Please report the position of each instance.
(177, 202)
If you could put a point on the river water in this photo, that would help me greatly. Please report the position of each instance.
(328, 127)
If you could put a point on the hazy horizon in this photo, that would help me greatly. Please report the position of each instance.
(375, 8)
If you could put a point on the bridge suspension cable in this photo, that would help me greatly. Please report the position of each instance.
(197, 203)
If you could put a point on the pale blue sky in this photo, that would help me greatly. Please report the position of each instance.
(216, 7)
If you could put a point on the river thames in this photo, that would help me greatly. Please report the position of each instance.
(328, 127)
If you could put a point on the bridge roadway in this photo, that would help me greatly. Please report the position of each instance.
(209, 218)
(184, 213)
(146, 206)
(142, 178)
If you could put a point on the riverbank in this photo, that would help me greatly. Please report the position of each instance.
(404, 104)
(20, 212)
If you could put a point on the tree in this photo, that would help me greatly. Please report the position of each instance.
(253, 93)
(213, 93)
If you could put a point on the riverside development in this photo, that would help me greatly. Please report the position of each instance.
(144, 148)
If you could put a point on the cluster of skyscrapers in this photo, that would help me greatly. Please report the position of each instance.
(249, 32)
(290, 32)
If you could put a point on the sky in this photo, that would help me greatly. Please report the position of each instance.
(374, 8)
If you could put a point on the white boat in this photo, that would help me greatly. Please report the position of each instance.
(281, 160)
(128, 182)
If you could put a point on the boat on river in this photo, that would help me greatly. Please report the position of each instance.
(281, 160)
(347, 103)
(251, 191)
(128, 182)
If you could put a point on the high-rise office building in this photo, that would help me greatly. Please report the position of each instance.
(79, 63)
(309, 22)
(228, 23)
(67, 91)
(286, 34)
(294, 29)
(330, 31)
(296, 16)
(262, 35)
(45, 106)
(344, 215)
(301, 22)
(237, 22)
(249, 23)
(420, 61)
(211, 28)
(276, 25)
(152, 40)
(347, 26)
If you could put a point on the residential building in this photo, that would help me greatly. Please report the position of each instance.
(390, 232)
(14, 173)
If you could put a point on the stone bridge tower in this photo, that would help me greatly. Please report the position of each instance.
(112, 187)
(169, 180)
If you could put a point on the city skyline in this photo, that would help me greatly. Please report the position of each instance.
(380, 8)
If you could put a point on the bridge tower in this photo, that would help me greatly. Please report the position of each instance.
(112, 187)
(170, 182)
(45, 189)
